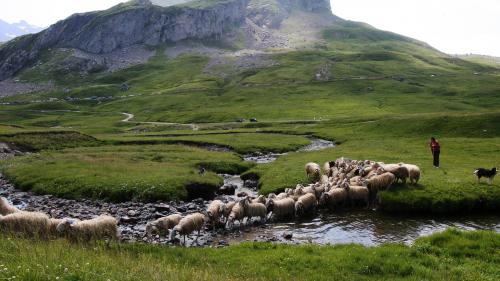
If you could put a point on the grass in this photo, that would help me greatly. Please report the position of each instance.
(122, 173)
(452, 255)
(47, 140)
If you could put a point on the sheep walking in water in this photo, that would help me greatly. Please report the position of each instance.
(162, 226)
(215, 211)
(305, 204)
(188, 225)
(252, 210)
(281, 209)
(237, 214)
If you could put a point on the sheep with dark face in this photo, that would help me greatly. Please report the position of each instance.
(162, 226)
(281, 209)
(305, 204)
(188, 225)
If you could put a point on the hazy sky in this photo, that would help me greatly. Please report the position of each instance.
(453, 26)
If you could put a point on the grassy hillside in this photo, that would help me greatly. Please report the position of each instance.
(379, 95)
(452, 255)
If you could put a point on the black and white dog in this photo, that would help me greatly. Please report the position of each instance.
(485, 173)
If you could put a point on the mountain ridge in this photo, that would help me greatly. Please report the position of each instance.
(9, 31)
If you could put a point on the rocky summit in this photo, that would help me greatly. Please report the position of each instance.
(151, 23)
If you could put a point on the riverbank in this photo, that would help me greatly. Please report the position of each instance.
(452, 255)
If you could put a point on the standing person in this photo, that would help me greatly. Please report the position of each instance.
(436, 150)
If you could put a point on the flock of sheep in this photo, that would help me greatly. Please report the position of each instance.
(341, 182)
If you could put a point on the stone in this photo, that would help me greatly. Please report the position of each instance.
(288, 235)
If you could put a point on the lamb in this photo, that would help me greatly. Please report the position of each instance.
(359, 194)
(237, 214)
(188, 225)
(281, 209)
(399, 171)
(414, 172)
(306, 203)
(6, 208)
(215, 211)
(313, 170)
(252, 210)
(334, 198)
(162, 226)
(27, 223)
(380, 182)
(97, 228)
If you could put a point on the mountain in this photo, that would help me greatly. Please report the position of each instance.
(142, 22)
(9, 31)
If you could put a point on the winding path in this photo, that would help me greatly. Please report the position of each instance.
(130, 116)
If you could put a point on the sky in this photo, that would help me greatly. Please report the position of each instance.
(452, 26)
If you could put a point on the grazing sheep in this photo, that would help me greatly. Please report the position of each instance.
(252, 210)
(215, 211)
(97, 228)
(334, 198)
(399, 171)
(6, 208)
(313, 170)
(359, 194)
(162, 226)
(188, 225)
(380, 182)
(414, 172)
(237, 214)
(281, 209)
(26, 223)
(306, 203)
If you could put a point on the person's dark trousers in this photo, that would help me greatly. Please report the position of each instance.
(436, 158)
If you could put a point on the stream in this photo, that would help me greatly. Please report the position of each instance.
(366, 227)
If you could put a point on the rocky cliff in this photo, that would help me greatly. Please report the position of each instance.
(142, 22)
(131, 23)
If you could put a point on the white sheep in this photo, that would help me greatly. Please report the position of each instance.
(334, 198)
(237, 214)
(188, 225)
(324, 179)
(26, 223)
(228, 207)
(6, 208)
(399, 171)
(306, 203)
(359, 194)
(327, 169)
(162, 226)
(282, 195)
(380, 182)
(254, 210)
(262, 199)
(414, 172)
(215, 211)
(86, 230)
(281, 209)
(313, 170)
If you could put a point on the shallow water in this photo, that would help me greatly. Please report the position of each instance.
(368, 228)
(265, 158)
